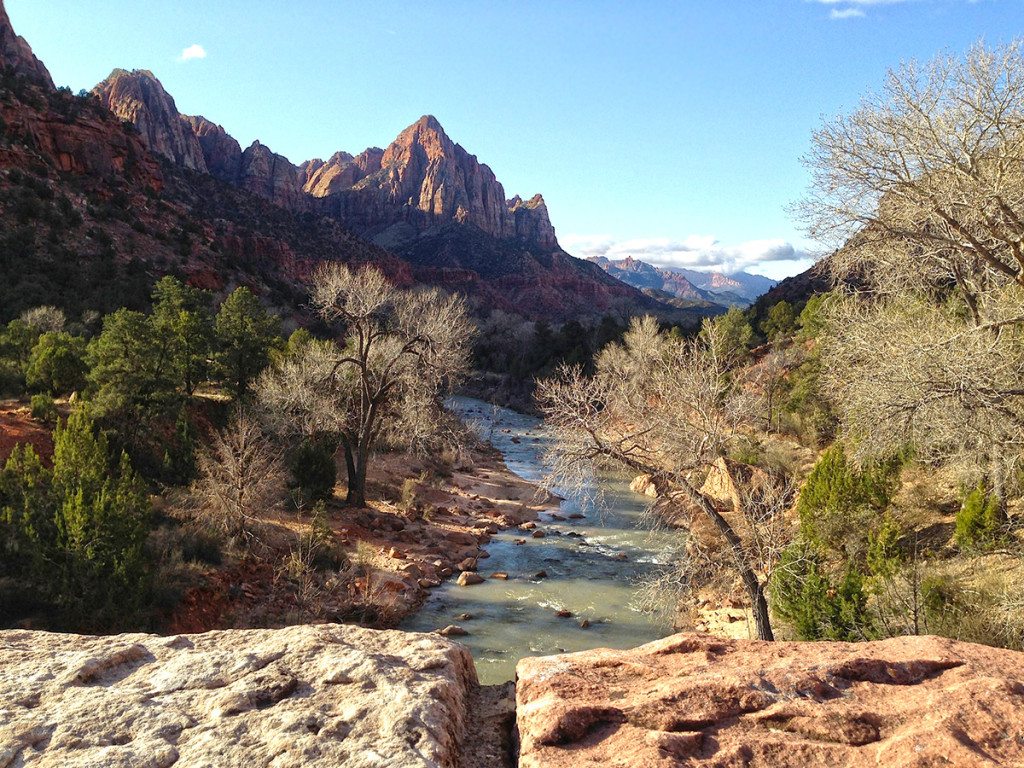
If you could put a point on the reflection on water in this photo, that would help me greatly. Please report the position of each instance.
(592, 565)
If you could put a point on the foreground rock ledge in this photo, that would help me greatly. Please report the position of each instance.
(308, 695)
(698, 701)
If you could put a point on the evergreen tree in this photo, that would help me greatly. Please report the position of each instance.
(57, 364)
(181, 314)
(245, 334)
(101, 521)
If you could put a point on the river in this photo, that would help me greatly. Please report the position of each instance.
(593, 566)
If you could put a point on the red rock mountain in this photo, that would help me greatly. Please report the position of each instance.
(140, 99)
(424, 198)
(422, 179)
(16, 55)
(221, 215)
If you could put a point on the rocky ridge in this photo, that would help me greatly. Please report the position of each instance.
(422, 178)
(138, 97)
(16, 55)
(693, 700)
(326, 695)
(330, 695)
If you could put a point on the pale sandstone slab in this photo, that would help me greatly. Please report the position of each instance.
(323, 695)
(693, 700)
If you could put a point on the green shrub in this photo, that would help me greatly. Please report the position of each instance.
(839, 504)
(314, 472)
(43, 409)
(12, 378)
(816, 604)
(320, 544)
(979, 520)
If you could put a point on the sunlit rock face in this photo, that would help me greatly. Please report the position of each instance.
(138, 98)
(694, 700)
(322, 695)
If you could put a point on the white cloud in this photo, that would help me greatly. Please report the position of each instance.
(773, 257)
(194, 51)
(846, 13)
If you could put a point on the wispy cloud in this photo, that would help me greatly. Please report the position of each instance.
(772, 257)
(193, 52)
(857, 9)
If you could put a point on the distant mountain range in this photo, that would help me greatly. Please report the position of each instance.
(740, 289)
(139, 190)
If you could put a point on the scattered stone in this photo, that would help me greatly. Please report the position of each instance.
(620, 556)
(538, 534)
(396, 553)
(484, 554)
(429, 583)
(529, 525)
(576, 516)
(501, 575)
(467, 578)
(452, 630)
(540, 575)
(563, 614)
(469, 564)
(585, 624)
(445, 572)
(519, 542)
(465, 617)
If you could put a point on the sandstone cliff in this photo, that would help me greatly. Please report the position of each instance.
(16, 54)
(221, 153)
(140, 99)
(426, 179)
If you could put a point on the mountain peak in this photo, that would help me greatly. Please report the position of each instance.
(16, 54)
(140, 98)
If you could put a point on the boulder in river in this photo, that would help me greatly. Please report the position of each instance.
(468, 578)
(453, 630)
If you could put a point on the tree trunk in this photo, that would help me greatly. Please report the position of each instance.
(356, 496)
(997, 480)
(759, 605)
(754, 587)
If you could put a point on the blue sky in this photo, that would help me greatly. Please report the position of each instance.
(671, 131)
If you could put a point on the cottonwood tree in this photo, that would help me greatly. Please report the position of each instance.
(398, 352)
(922, 191)
(666, 408)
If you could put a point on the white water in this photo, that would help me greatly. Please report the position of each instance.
(585, 575)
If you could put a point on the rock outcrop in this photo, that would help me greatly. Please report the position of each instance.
(426, 179)
(16, 54)
(697, 700)
(322, 695)
(272, 176)
(139, 98)
(221, 153)
(341, 172)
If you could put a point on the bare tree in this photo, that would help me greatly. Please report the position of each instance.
(241, 479)
(922, 191)
(668, 409)
(399, 353)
